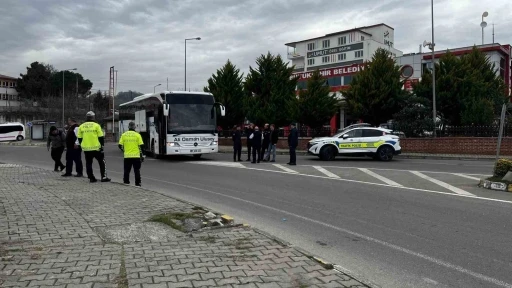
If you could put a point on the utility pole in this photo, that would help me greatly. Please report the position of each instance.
(167, 83)
(493, 33)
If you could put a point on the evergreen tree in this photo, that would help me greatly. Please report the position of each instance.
(227, 88)
(468, 91)
(316, 105)
(270, 92)
(376, 93)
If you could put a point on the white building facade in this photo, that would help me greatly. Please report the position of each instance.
(339, 56)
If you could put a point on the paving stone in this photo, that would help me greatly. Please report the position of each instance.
(49, 219)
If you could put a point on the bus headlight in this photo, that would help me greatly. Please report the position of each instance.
(173, 144)
(213, 143)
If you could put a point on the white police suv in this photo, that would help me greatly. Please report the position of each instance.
(363, 140)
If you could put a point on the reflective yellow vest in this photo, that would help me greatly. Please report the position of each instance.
(89, 133)
(131, 141)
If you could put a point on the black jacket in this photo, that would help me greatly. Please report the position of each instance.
(274, 137)
(71, 137)
(266, 137)
(293, 138)
(256, 140)
(248, 133)
(237, 138)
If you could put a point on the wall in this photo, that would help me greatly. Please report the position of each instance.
(449, 145)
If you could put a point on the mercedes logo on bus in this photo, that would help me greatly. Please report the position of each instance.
(195, 144)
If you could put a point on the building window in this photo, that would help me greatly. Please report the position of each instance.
(311, 46)
(301, 85)
(311, 62)
(11, 84)
(359, 54)
(342, 57)
(4, 96)
(325, 59)
(342, 40)
(3, 84)
(326, 43)
(362, 38)
(335, 81)
(347, 80)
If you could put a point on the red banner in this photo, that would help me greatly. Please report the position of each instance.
(409, 83)
(333, 72)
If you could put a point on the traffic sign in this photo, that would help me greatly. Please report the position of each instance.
(29, 124)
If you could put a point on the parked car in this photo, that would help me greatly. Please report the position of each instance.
(375, 142)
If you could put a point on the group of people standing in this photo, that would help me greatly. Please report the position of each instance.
(263, 144)
(88, 138)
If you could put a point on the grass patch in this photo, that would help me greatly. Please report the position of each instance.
(122, 280)
(498, 179)
(171, 218)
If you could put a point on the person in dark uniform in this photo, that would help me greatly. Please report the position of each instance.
(73, 150)
(266, 141)
(256, 137)
(293, 142)
(237, 143)
(249, 132)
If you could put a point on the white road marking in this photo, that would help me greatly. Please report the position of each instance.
(356, 234)
(328, 173)
(442, 184)
(286, 169)
(381, 178)
(467, 176)
(218, 163)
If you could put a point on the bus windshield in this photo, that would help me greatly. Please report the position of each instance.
(191, 113)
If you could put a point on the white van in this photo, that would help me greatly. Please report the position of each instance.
(12, 131)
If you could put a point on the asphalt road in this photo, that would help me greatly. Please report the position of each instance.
(405, 223)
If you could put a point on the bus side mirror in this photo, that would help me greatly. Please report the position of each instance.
(222, 110)
(166, 110)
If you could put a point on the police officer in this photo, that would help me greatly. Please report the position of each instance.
(237, 143)
(132, 145)
(91, 139)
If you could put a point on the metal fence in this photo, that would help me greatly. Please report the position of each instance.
(303, 132)
(455, 131)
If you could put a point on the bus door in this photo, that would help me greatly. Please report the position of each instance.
(153, 134)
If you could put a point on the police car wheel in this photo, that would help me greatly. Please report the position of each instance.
(327, 153)
(385, 153)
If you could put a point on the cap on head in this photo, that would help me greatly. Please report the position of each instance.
(131, 125)
(90, 114)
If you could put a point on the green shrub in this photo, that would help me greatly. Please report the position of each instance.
(502, 167)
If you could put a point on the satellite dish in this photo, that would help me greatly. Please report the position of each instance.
(425, 43)
(485, 14)
(483, 24)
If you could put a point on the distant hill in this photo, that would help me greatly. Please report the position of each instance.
(125, 96)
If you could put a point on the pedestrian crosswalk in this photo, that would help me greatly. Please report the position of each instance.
(453, 183)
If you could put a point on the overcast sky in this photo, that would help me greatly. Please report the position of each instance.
(144, 39)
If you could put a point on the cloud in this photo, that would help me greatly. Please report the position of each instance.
(144, 39)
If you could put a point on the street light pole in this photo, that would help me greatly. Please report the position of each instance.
(483, 24)
(154, 91)
(114, 107)
(434, 112)
(197, 38)
(63, 119)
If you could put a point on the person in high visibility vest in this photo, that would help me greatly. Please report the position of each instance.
(91, 139)
(133, 148)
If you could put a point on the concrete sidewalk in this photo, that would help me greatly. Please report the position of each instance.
(58, 232)
(229, 149)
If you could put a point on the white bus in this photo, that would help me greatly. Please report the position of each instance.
(12, 131)
(176, 123)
